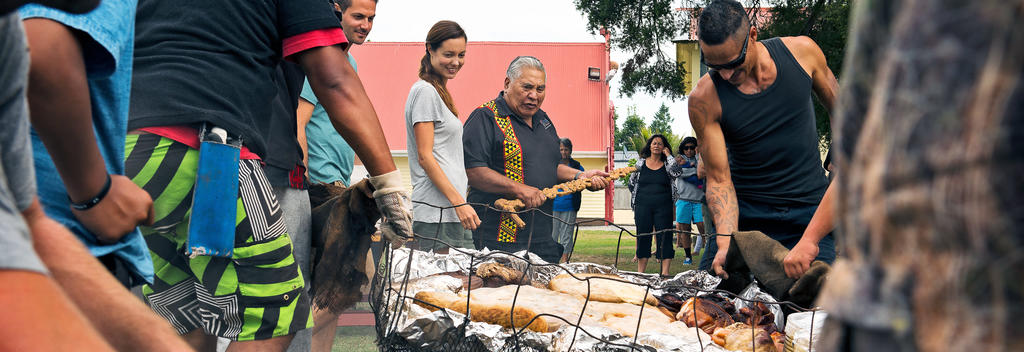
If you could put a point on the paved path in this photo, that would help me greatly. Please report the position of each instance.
(607, 228)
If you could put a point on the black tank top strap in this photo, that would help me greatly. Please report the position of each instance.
(784, 58)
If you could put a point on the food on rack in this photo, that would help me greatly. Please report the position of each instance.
(623, 317)
(471, 282)
(496, 275)
(704, 313)
(439, 282)
(746, 329)
(757, 315)
(603, 288)
(743, 337)
(670, 302)
(494, 305)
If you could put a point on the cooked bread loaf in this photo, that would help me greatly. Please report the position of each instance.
(494, 305)
(603, 290)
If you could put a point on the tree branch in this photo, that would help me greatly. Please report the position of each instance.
(815, 12)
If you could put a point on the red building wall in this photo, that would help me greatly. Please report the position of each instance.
(578, 107)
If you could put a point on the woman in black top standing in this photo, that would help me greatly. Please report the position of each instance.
(652, 189)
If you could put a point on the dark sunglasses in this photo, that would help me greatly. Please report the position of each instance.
(688, 147)
(731, 64)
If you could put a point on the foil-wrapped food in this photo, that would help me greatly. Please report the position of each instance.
(569, 307)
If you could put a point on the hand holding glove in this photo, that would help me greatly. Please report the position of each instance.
(394, 205)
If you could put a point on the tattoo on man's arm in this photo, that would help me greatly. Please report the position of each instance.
(722, 200)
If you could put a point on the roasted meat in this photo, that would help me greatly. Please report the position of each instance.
(743, 337)
(703, 313)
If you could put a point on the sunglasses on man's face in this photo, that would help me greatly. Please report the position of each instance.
(688, 147)
(731, 64)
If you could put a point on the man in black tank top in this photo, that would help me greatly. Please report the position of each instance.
(754, 118)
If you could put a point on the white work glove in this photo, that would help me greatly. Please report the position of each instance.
(394, 205)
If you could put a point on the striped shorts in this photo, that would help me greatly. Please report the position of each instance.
(256, 294)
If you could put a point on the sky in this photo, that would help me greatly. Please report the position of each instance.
(518, 21)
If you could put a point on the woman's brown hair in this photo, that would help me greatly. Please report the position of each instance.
(441, 31)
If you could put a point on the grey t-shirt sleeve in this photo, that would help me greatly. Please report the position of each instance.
(17, 158)
(16, 250)
(15, 148)
(17, 176)
(426, 104)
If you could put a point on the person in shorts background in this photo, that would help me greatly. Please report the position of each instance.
(688, 193)
(564, 207)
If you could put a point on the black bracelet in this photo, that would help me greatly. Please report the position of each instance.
(88, 204)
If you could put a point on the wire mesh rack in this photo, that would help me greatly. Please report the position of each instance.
(389, 297)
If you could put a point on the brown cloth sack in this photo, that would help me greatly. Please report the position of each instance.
(753, 252)
(343, 221)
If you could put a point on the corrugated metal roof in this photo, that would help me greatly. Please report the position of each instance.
(578, 107)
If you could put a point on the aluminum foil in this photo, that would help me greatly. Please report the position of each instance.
(422, 328)
(427, 263)
(586, 339)
(685, 283)
(673, 343)
(754, 292)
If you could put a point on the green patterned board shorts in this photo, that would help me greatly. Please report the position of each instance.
(258, 293)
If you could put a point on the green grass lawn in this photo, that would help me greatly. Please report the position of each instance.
(592, 246)
(355, 339)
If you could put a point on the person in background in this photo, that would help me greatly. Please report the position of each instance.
(328, 156)
(201, 62)
(434, 132)
(652, 189)
(753, 114)
(703, 242)
(687, 193)
(511, 149)
(78, 93)
(56, 295)
(565, 207)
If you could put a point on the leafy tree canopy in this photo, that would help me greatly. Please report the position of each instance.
(662, 122)
(645, 27)
(631, 127)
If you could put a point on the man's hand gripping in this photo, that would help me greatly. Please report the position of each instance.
(393, 202)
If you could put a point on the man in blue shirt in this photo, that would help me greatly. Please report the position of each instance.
(79, 82)
(80, 174)
(564, 208)
(329, 157)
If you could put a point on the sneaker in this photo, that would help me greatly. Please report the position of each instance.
(688, 261)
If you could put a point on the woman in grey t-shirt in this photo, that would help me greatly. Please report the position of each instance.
(434, 141)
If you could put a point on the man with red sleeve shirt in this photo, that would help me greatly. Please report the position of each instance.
(212, 62)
